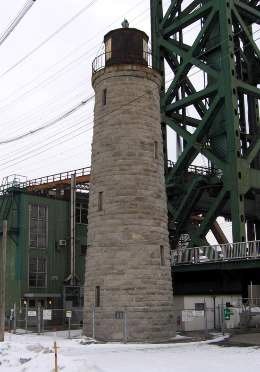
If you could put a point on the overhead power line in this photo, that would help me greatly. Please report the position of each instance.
(39, 46)
(75, 132)
(47, 125)
(100, 117)
(16, 21)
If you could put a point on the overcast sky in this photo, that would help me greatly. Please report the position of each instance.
(39, 88)
(54, 79)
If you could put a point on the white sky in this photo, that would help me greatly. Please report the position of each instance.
(54, 79)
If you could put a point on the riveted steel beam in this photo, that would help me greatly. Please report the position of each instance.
(222, 119)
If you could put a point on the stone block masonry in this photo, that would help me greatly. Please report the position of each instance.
(128, 261)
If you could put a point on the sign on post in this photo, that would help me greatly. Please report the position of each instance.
(47, 314)
(227, 313)
(32, 313)
(68, 313)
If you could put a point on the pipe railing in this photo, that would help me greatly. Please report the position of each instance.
(197, 169)
(45, 180)
(216, 253)
(105, 59)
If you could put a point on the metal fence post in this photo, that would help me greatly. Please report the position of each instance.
(205, 320)
(93, 322)
(222, 318)
(69, 328)
(125, 327)
(14, 330)
(39, 319)
(3, 280)
(43, 321)
(26, 317)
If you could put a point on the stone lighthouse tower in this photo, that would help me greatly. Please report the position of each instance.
(128, 282)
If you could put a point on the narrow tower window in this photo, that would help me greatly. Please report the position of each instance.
(97, 296)
(104, 97)
(108, 49)
(100, 201)
(145, 50)
(162, 255)
(155, 150)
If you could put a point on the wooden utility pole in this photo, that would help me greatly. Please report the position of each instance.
(2, 281)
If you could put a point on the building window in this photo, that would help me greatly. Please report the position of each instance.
(104, 97)
(37, 272)
(82, 213)
(199, 306)
(97, 296)
(31, 303)
(162, 257)
(155, 150)
(38, 226)
(100, 201)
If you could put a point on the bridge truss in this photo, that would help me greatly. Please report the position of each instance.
(210, 49)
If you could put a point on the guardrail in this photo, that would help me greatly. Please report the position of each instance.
(197, 169)
(216, 253)
(44, 180)
(106, 59)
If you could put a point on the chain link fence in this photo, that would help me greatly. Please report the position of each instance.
(244, 315)
(40, 320)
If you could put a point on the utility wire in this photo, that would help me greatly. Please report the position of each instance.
(197, 71)
(100, 117)
(82, 55)
(70, 135)
(85, 42)
(16, 21)
(200, 70)
(45, 41)
(54, 108)
(55, 75)
(24, 150)
(49, 80)
(47, 125)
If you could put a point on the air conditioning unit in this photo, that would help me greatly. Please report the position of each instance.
(62, 243)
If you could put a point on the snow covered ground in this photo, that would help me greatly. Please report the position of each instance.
(33, 353)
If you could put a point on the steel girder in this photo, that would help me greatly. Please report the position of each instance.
(219, 120)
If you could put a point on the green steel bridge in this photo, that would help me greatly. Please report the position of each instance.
(210, 98)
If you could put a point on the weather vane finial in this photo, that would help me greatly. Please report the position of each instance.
(125, 23)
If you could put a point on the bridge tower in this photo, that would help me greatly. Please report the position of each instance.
(128, 276)
(210, 50)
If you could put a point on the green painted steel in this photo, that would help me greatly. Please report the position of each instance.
(218, 119)
(18, 247)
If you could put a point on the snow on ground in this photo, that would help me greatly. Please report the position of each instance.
(33, 353)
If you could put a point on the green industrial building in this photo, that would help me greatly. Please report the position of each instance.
(40, 216)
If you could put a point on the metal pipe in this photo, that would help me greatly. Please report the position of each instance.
(72, 227)
(2, 280)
